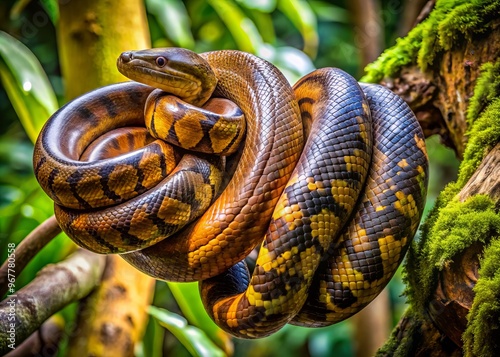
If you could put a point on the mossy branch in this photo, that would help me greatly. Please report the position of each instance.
(448, 23)
(447, 70)
(112, 320)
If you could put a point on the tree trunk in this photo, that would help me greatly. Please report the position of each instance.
(91, 36)
(447, 70)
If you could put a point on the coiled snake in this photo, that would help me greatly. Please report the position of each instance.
(325, 253)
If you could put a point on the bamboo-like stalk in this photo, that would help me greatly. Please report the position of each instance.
(91, 36)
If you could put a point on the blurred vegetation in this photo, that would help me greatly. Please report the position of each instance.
(296, 35)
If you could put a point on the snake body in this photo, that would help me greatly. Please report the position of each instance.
(326, 252)
(238, 220)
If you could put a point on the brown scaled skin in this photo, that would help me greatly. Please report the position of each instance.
(237, 221)
(176, 71)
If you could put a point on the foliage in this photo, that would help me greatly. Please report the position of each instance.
(26, 84)
(194, 339)
(449, 22)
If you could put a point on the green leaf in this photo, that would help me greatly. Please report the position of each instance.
(194, 339)
(26, 84)
(302, 16)
(329, 12)
(242, 28)
(265, 26)
(52, 10)
(173, 17)
(260, 5)
(188, 298)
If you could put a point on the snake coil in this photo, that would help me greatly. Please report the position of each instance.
(334, 215)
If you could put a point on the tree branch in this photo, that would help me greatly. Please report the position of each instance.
(43, 342)
(54, 287)
(368, 29)
(28, 248)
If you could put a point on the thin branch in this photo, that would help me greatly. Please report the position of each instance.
(426, 10)
(54, 287)
(28, 248)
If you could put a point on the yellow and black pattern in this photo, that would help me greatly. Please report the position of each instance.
(373, 245)
(216, 128)
(337, 216)
(314, 207)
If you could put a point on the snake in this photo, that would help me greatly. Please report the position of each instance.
(330, 181)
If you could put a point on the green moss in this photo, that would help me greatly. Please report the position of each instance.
(446, 219)
(482, 337)
(453, 226)
(450, 21)
(486, 90)
(456, 226)
(485, 133)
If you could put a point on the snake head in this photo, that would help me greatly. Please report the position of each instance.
(178, 71)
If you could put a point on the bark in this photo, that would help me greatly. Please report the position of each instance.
(112, 319)
(440, 97)
(91, 36)
(55, 287)
(484, 181)
(414, 12)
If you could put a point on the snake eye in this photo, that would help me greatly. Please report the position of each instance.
(161, 61)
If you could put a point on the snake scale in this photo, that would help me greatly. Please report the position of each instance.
(330, 179)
